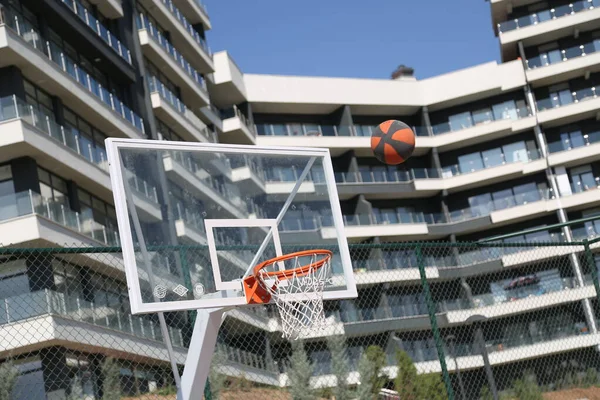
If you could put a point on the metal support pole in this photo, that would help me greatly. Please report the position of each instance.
(433, 319)
(202, 347)
(450, 340)
(480, 342)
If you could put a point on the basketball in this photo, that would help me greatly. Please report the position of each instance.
(393, 142)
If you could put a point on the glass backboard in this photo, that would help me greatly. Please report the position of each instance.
(195, 218)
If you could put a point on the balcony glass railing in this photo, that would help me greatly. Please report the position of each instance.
(186, 25)
(475, 118)
(189, 217)
(547, 15)
(28, 202)
(221, 188)
(367, 130)
(566, 97)
(302, 130)
(386, 176)
(574, 142)
(98, 28)
(157, 86)
(588, 183)
(14, 108)
(247, 161)
(144, 23)
(35, 304)
(246, 358)
(489, 161)
(67, 65)
(560, 55)
(503, 203)
(143, 188)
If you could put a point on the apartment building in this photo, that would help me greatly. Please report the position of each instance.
(501, 148)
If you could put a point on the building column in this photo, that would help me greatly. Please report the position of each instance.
(435, 159)
(25, 174)
(11, 82)
(561, 213)
(342, 118)
(56, 372)
(463, 281)
(40, 273)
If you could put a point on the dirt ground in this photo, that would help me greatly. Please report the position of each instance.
(574, 394)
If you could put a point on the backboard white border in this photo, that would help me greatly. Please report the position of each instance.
(113, 145)
(210, 224)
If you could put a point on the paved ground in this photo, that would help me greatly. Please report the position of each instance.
(574, 394)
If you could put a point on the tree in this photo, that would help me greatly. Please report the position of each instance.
(111, 379)
(340, 367)
(485, 393)
(369, 367)
(8, 378)
(527, 388)
(299, 373)
(431, 387)
(406, 378)
(217, 379)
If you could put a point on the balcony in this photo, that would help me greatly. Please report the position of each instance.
(195, 11)
(568, 106)
(189, 175)
(547, 25)
(489, 169)
(55, 72)
(474, 127)
(29, 203)
(386, 185)
(579, 150)
(189, 42)
(171, 110)
(71, 314)
(99, 29)
(237, 128)
(338, 139)
(563, 64)
(165, 56)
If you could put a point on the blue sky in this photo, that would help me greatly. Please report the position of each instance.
(348, 38)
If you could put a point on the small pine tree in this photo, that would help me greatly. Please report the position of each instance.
(111, 379)
(527, 388)
(485, 393)
(217, 379)
(367, 372)
(299, 373)
(377, 357)
(8, 378)
(431, 387)
(406, 378)
(591, 377)
(340, 367)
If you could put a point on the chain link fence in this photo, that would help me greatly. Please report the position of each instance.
(497, 320)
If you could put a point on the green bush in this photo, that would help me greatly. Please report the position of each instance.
(8, 378)
(406, 379)
(111, 380)
(299, 373)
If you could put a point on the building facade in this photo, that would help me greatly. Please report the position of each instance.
(501, 148)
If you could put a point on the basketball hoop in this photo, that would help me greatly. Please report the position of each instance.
(297, 289)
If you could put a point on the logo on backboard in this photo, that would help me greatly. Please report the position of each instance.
(160, 291)
(199, 289)
(180, 290)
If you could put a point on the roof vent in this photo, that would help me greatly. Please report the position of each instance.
(404, 73)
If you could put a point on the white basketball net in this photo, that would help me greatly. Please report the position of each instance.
(299, 299)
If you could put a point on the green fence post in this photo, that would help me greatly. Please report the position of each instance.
(590, 260)
(433, 319)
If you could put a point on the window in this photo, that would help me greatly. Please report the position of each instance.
(52, 187)
(96, 209)
(166, 132)
(38, 98)
(13, 279)
(582, 178)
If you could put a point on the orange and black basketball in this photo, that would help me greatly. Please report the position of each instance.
(393, 142)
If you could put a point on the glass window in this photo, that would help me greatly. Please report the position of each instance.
(527, 193)
(480, 204)
(503, 199)
(505, 110)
